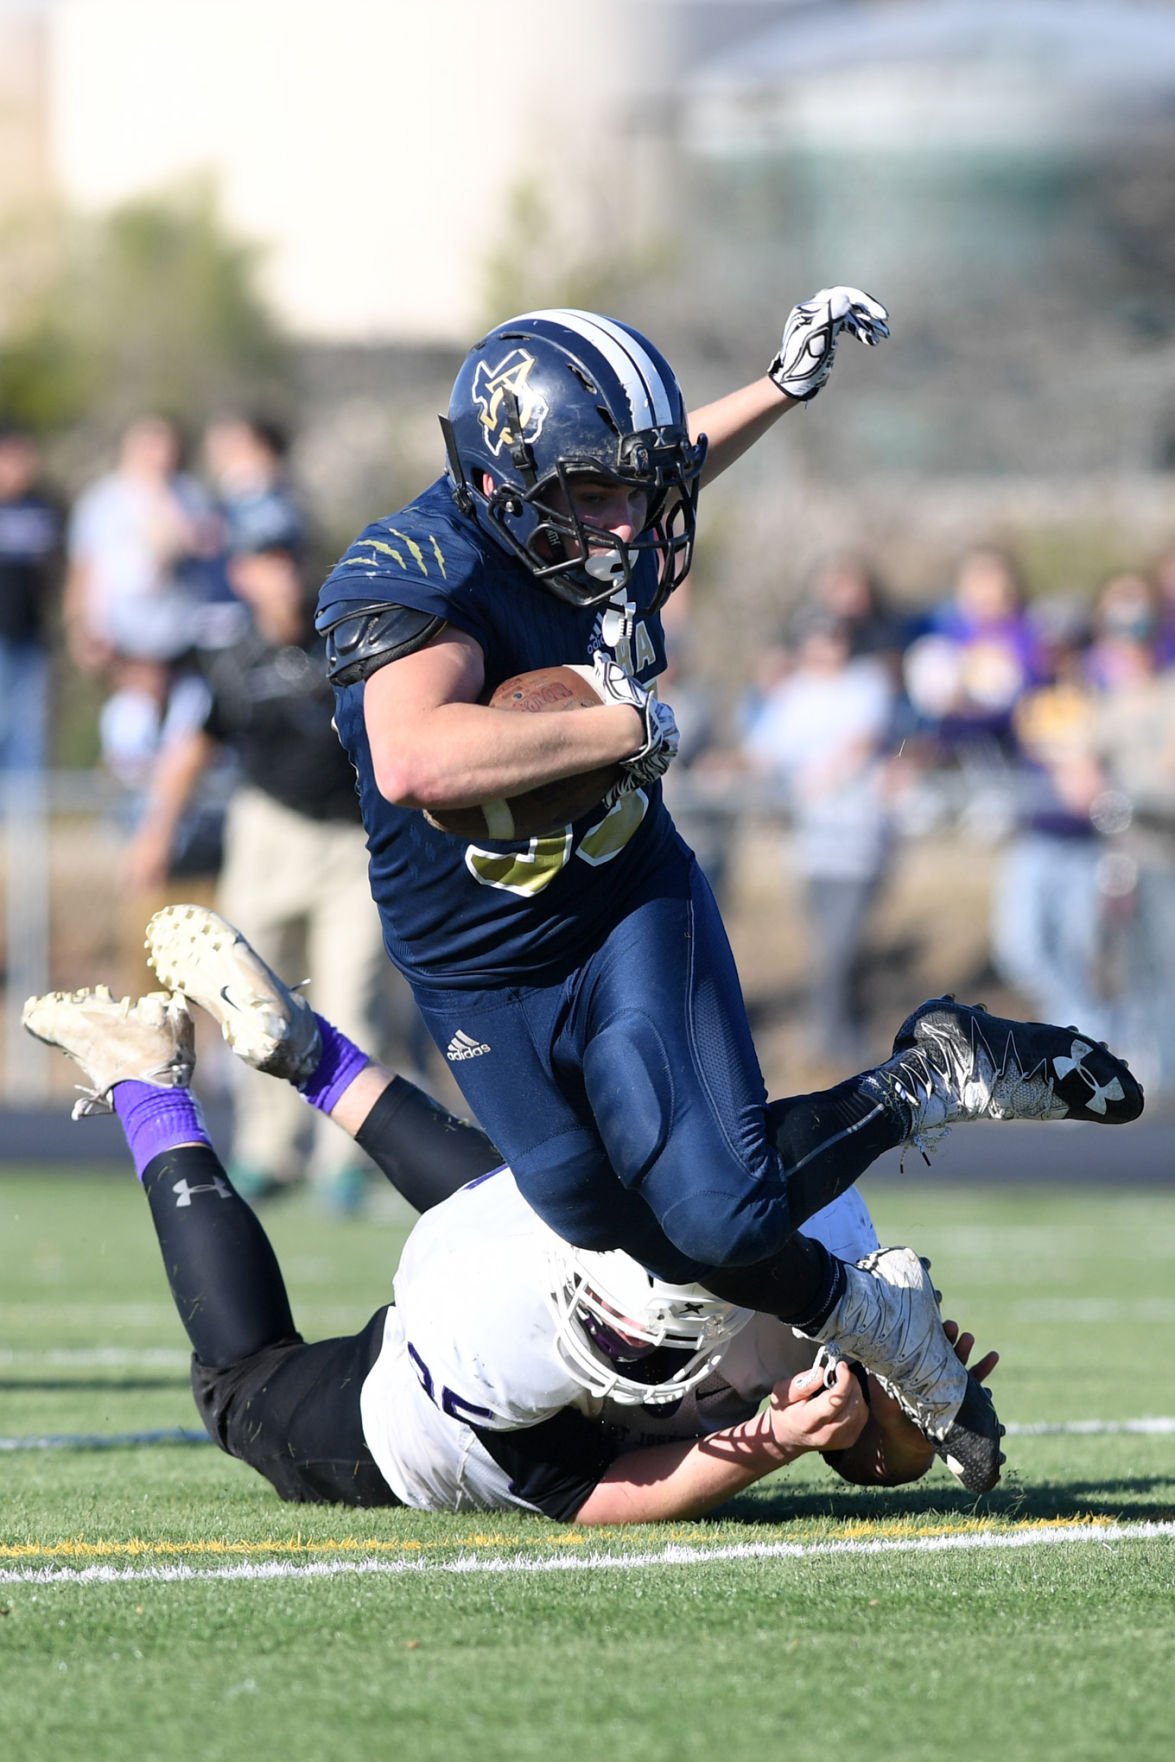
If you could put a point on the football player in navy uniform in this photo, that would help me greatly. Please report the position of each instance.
(581, 984)
(512, 1370)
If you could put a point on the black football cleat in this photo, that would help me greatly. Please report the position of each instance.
(970, 1447)
(953, 1061)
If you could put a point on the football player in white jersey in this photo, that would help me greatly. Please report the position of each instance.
(512, 1370)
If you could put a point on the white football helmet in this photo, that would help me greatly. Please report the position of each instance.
(612, 1317)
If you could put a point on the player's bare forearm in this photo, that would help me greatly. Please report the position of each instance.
(734, 423)
(434, 746)
(462, 754)
(689, 1479)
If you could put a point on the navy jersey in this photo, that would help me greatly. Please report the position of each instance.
(495, 912)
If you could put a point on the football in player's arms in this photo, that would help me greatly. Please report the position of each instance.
(535, 813)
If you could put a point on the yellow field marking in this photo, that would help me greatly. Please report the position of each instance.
(354, 1558)
(77, 1548)
(865, 1529)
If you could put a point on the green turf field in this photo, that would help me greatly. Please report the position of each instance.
(157, 1601)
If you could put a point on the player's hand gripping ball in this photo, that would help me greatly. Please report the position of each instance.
(546, 691)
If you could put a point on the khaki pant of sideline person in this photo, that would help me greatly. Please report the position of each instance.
(298, 888)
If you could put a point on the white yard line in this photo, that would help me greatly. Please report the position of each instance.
(107, 1357)
(673, 1554)
(1155, 1426)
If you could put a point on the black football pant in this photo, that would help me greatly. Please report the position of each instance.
(289, 1408)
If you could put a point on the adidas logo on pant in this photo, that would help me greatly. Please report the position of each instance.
(463, 1045)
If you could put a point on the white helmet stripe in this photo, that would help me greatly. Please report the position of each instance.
(635, 368)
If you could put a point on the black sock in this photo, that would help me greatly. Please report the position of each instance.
(828, 1140)
(426, 1153)
(800, 1284)
(222, 1270)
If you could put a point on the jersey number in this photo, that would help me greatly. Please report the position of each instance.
(454, 1405)
(528, 872)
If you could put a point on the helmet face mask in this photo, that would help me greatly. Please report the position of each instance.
(555, 397)
(586, 564)
(630, 1338)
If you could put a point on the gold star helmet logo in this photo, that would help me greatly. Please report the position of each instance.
(509, 410)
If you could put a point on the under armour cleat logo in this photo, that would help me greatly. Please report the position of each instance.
(1099, 1093)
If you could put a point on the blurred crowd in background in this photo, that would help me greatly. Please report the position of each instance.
(180, 585)
(184, 591)
(1046, 726)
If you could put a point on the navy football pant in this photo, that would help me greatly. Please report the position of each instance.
(628, 1100)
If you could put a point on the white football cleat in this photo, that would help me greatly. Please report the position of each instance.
(114, 1040)
(889, 1320)
(270, 1027)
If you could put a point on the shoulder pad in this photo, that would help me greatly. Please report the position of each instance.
(367, 638)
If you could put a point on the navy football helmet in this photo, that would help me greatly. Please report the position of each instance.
(551, 395)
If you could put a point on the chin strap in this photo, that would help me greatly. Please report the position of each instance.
(462, 494)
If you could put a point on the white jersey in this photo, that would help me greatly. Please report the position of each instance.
(469, 1407)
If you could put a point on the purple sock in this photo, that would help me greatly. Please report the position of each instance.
(156, 1120)
(337, 1068)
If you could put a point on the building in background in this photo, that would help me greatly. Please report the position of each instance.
(1003, 171)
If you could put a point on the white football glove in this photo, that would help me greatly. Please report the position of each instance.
(651, 760)
(806, 353)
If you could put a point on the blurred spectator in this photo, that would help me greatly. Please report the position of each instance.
(697, 784)
(769, 666)
(849, 588)
(1045, 909)
(820, 736)
(1163, 575)
(245, 457)
(30, 559)
(965, 675)
(1126, 626)
(153, 708)
(295, 871)
(1133, 740)
(141, 542)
